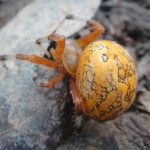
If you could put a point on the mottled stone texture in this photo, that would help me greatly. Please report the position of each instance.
(32, 117)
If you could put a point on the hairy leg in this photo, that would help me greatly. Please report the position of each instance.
(97, 30)
(39, 60)
(54, 81)
(59, 39)
(77, 98)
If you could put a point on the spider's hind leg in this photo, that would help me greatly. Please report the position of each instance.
(77, 100)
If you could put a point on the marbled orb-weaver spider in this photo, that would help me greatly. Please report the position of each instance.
(103, 77)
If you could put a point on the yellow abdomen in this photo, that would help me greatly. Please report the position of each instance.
(107, 79)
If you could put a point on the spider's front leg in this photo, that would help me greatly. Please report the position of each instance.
(96, 30)
(39, 60)
(57, 64)
(60, 45)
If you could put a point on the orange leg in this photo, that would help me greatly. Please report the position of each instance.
(59, 39)
(60, 45)
(54, 81)
(77, 98)
(97, 30)
(40, 60)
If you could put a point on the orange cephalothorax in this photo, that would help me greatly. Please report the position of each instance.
(103, 78)
(71, 56)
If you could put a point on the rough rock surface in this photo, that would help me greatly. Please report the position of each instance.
(32, 117)
(9, 9)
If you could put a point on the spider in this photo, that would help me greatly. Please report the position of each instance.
(102, 73)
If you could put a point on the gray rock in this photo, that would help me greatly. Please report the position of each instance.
(32, 117)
